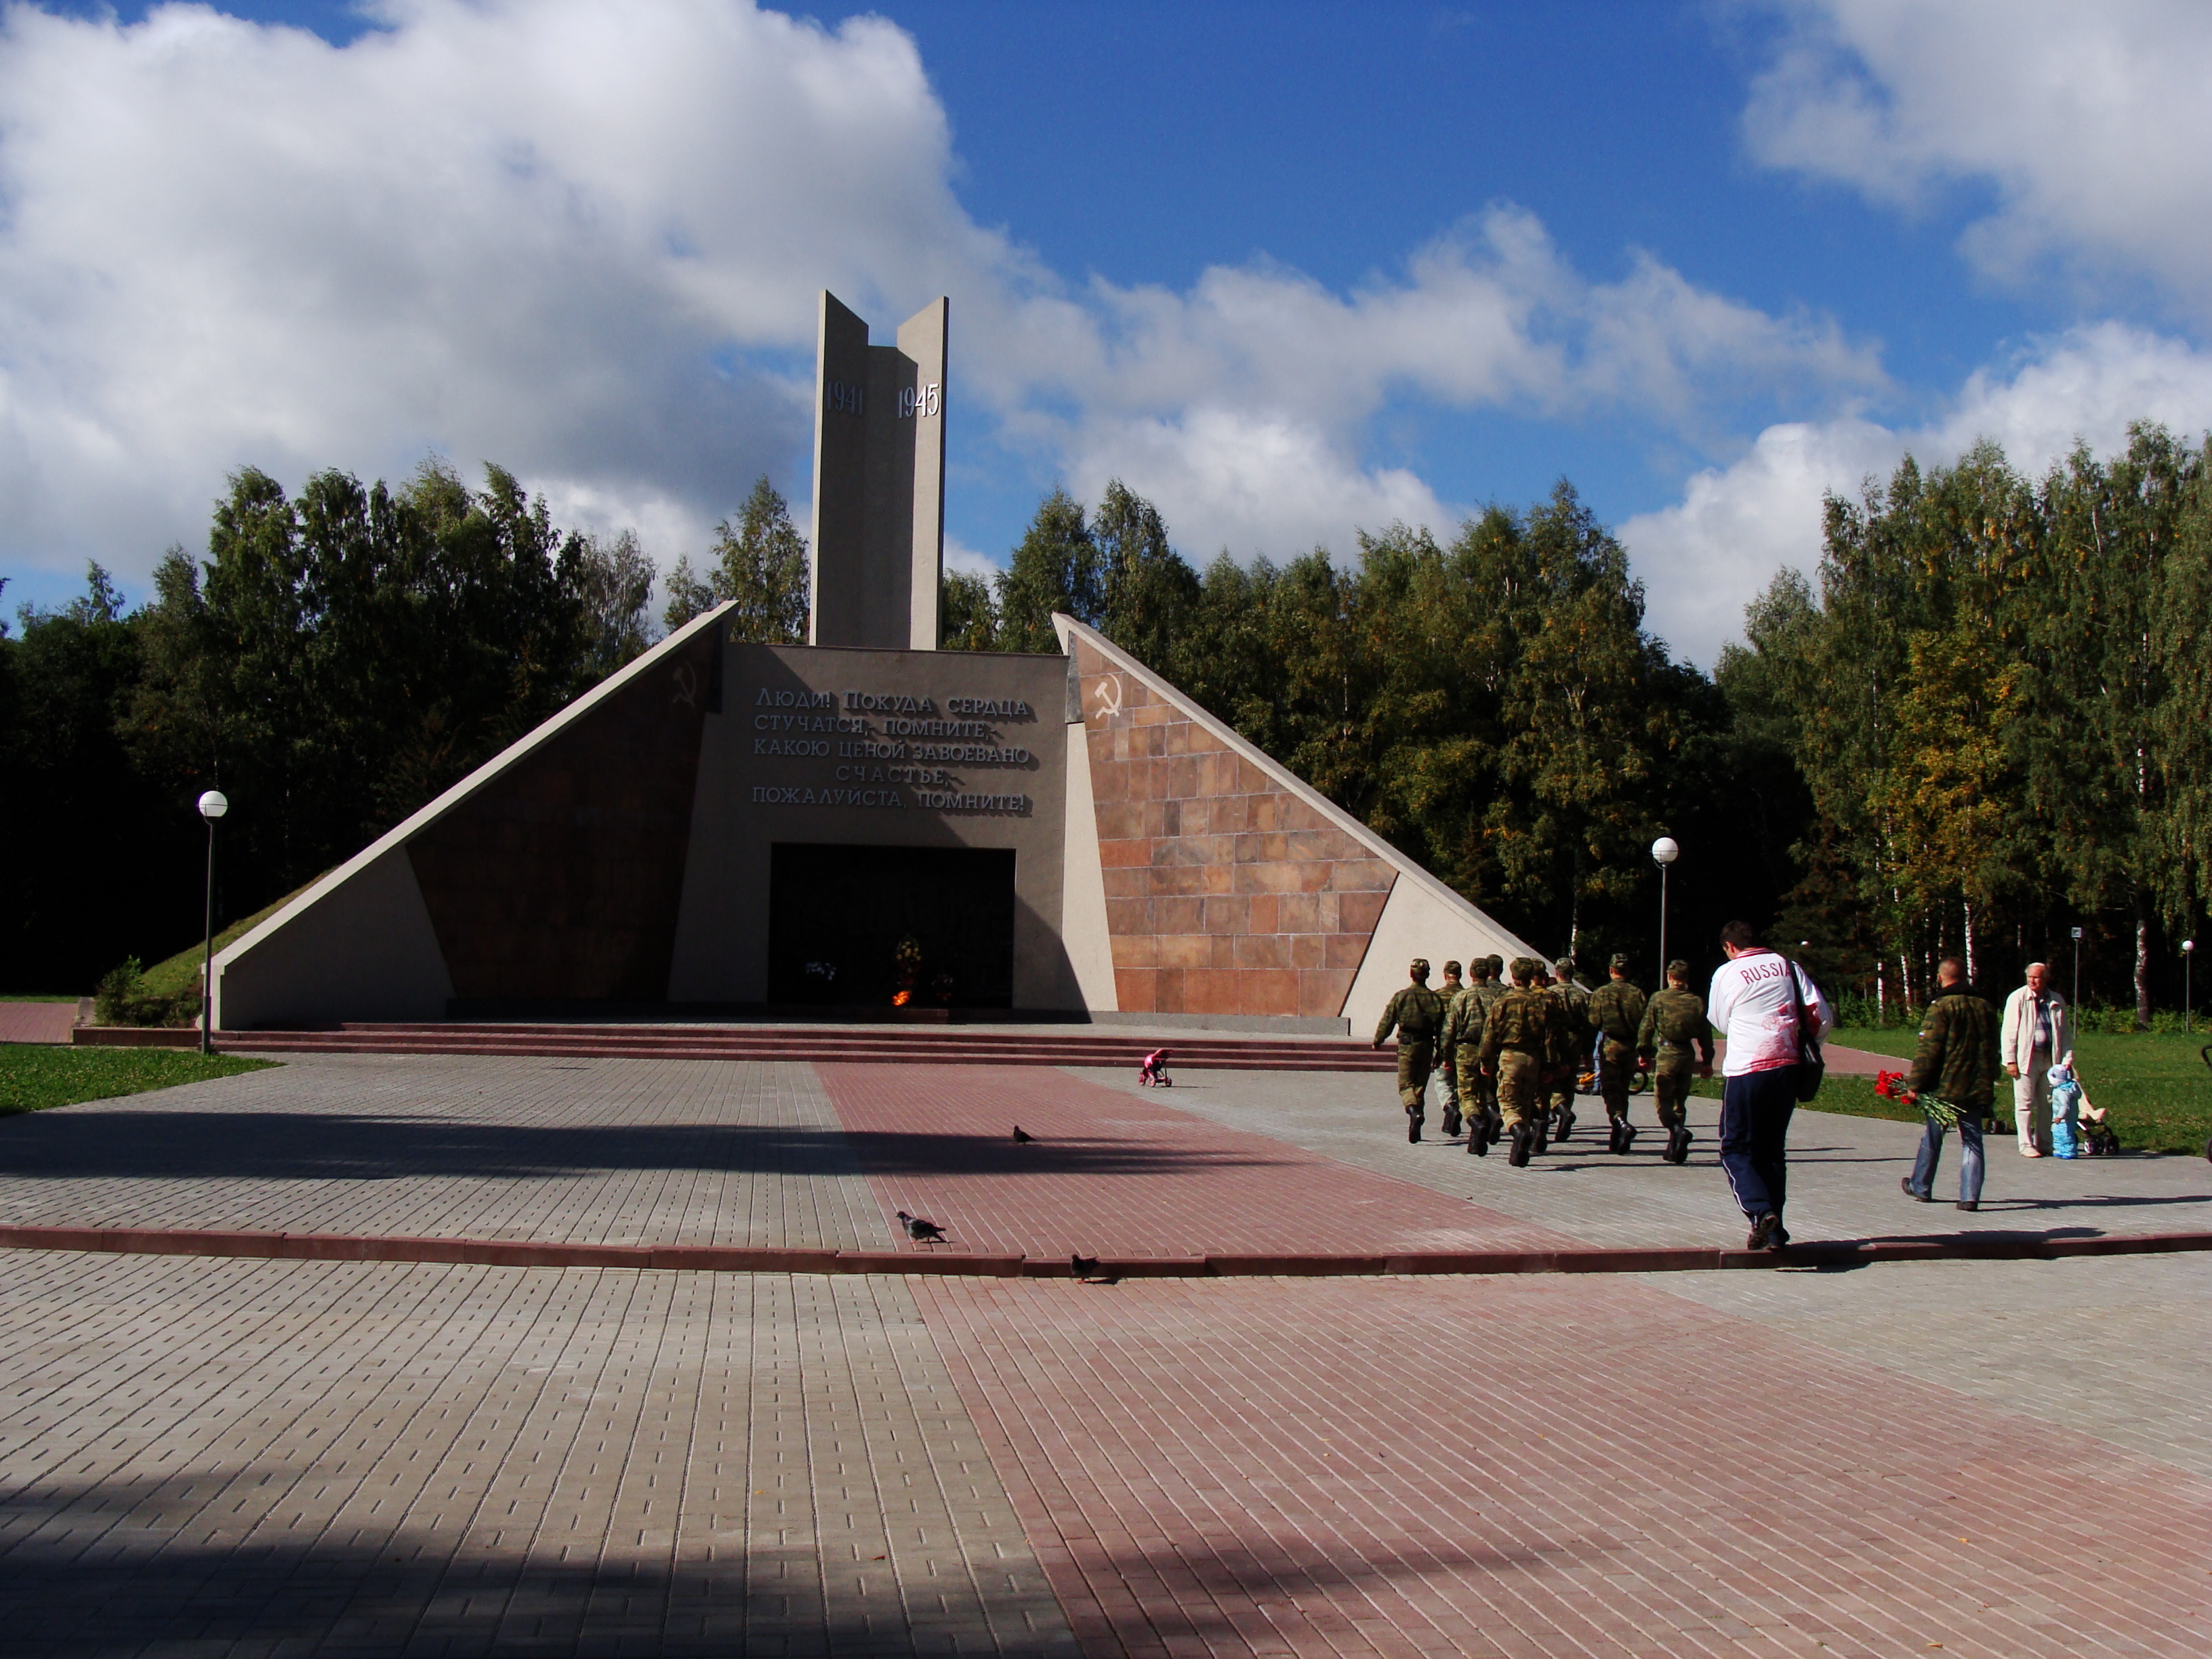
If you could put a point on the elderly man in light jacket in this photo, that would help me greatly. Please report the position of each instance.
(2035, 1034)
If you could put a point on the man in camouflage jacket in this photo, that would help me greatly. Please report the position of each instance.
(1615, 1010)
(1957, 1061)
(1572, 1045)
(1447, 1048)
(1518, 1039)
(1416, 1014)
(1674, 1023)
(1463, 1027)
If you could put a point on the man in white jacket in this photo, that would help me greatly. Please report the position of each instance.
(1769, 1011)
(2035, 1034)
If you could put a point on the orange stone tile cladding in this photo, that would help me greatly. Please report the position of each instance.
(1225, 893)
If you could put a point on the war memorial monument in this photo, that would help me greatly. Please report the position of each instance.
(865, 825)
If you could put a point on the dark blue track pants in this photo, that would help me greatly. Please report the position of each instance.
(1755, 1110)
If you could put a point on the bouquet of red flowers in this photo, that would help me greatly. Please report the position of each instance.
(1890, 1085)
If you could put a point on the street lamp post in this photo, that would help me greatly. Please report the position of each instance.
(1664, 852)
(2188, 991)
(2077, 973)
(213, 804)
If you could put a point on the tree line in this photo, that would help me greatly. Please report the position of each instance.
(1998, 698)
(337, 660)
(1983, 724)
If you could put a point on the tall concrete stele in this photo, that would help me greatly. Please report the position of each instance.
(878, 481)
(777, 830)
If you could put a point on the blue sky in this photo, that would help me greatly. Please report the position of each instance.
(1290, 270)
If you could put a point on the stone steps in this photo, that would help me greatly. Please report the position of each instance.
(908, 1045)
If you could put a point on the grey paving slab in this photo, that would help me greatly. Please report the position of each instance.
(2112, 1346)
(229, 1457)
(569, 1151)
(1843, 1170)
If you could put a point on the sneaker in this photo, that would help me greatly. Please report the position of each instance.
(1762, 1233)
(1904, 1182)
(1970, 1204)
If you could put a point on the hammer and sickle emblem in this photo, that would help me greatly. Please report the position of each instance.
(1108, 693)
(687, 687)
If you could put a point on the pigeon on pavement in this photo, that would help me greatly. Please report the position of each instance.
(1086, 1268)
(919, 1231)
(1021, 1137)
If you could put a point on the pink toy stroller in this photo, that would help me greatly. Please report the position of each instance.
(1153, 1073)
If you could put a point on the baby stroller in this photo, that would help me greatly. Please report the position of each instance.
(2078, 1128)
(1153, 1073)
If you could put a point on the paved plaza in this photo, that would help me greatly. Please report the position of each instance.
(204, 1456)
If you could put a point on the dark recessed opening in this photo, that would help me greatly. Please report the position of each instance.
(838, 917)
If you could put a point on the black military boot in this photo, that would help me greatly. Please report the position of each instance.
(1496, 1121)
(1518, 1157)
(1566, 1129)
(1678, 1144)
(1451, 1121)
(1478, 1134)
(1624, 1135)
(1539, 1133)
(1415, 1117)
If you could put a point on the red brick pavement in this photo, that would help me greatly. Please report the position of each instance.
(1506, 1468)
(1114, 1175)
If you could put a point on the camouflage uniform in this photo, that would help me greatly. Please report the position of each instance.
(1572, 1046)
(1463, 1024)
(1448, 1046)
(1616, 1008)
(1518, 1038)
(1489, 991)
(1416, 1014)
(1957, 1060)
(1674, 1021)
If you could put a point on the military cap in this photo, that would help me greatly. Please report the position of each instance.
(1619, 963)
(1419, 968)
(1679, 966)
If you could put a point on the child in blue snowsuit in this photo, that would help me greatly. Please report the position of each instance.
(2069, 1110)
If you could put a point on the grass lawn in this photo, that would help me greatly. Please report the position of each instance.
(36, 1075)
(2155, 1085)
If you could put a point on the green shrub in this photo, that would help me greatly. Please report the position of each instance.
(124, 999)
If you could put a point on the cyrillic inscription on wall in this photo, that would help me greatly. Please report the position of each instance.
(889, 751)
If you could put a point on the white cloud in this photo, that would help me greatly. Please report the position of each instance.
(583, 238)
(2090, 122)
(968, 562)
(544, 234)
(1702, 558)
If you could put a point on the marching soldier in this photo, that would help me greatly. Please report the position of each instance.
(1448, 1050)
(1518, 1037)
(1674, 1021)
(1489, 989)
(1616, 1009)
(1416, 1014)
(1572, 1044)
(1462, 1037)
